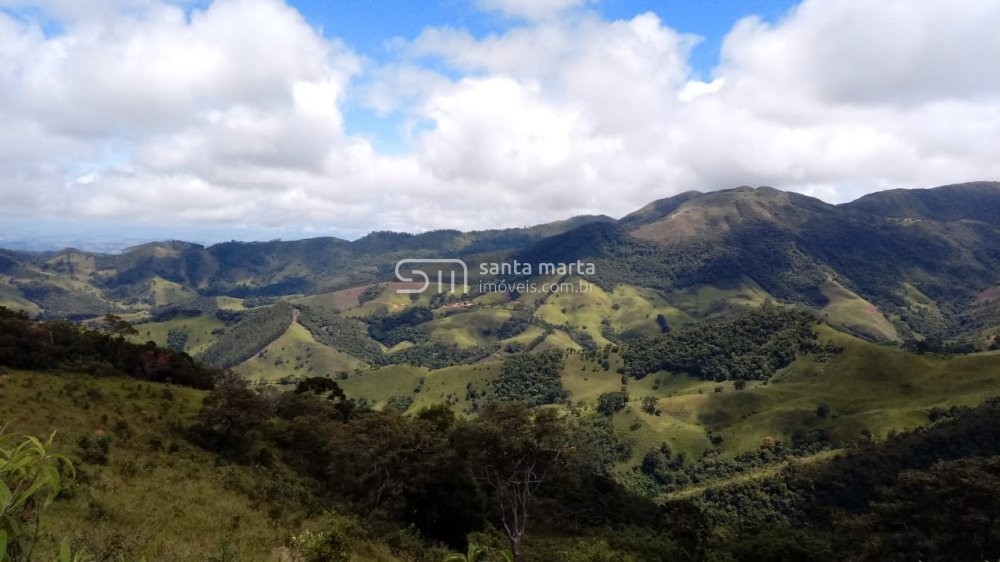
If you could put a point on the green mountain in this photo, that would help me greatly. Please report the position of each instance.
(929, 272)
(816, 446)
(920, 266)
(738, 373)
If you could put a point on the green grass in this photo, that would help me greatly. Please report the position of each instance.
(702, 301)
(635, 309)
(751, 475)
(918, 300)
(198, 329)
(297, 353)
(586, 380)
(427, 387)
(378, 385)
(867, 387)
(230, 303)
(78, 266)
(585, 310)
(558, 339)
(526, 337)
(648, 431)
(11, 298)
(158, 497)
(452, 382)
(346, 302)
(330, 303)
(851, 312)
(147, 501)
(388, 302)
(165, 293)
(466, 328)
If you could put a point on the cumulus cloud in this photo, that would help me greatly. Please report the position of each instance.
(837, 99)
(234, 113)
(530, 9)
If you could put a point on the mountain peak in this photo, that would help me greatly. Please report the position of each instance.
(714, 213)
(167, 248)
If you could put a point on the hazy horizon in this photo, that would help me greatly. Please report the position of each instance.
(108, 236)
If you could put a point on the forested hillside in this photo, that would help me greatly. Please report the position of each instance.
(314, 474)
(929, 271)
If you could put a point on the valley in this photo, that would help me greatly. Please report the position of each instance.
(714, 345)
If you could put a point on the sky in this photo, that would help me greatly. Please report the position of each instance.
(125, 120)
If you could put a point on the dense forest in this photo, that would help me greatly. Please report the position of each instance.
(531, 378)
(352, 336)
(347, 334)
(253, 332)
(65, 346)
(929, 494)
(750, 345)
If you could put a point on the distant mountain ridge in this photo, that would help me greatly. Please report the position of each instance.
(891, 248)
(790, 244)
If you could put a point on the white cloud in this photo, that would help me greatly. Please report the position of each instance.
(530, 9)
(234, 113)
(881, 52)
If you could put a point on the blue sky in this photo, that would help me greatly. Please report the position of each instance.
(367, 25)
(371, 27)
(209, 120)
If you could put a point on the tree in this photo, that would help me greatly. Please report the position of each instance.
(661, 321)
(407, 469)
(231, 417)
(116, 326)
(949, 512)
(649, 404)
(532, 378)
(320, 386)
(513, 452)
(440, 416)
(612, 402)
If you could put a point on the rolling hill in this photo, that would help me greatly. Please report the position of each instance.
(722, 341)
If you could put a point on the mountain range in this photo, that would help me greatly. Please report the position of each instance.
(744, 369)
(926, 262)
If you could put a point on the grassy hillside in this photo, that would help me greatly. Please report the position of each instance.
(849, 311)
(142, 482)
(12, 298)
(867, 387)
(297, 353)
(153, 487)
(198, 332)
(166, 293)
(467, 329)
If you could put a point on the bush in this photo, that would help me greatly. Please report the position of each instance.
(400, 403)
(649, 404)
(612, 402)
(94, 450)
